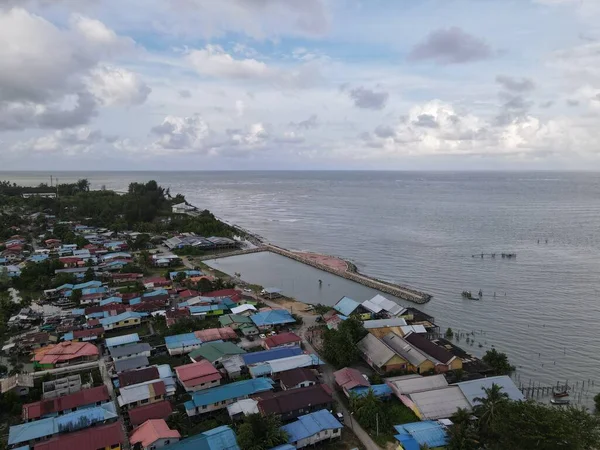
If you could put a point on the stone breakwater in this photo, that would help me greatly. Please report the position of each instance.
(352, 274)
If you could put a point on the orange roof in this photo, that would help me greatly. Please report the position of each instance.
(151, 431)
(215, 334)
(65, 351)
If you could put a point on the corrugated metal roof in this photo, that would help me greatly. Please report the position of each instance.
(182, 340)
(474, 388)
(53, 425)
(409, 384)
(373, 307)
(233, 390)
(136, 393)
(440, 403)
(411, 354)
(375, 350)
(380, 390)
(311, 424)
(245, 406)
(283, 364)
(413, 328)
(270, 355)
(273, 317)
(349, 378)
(120, 317)
(346, 306)
(383, 323)
(110, 300)
(92, 438)
(387, 305)
(160, 410)
(122, 340)
(130, 349)
(131, 363)
(213, 351)
(220, 438)
(429, 432)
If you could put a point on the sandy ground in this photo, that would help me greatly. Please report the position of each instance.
(331, 261)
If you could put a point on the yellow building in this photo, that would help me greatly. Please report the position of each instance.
(123, 320)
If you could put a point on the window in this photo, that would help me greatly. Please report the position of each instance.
(157, 397)
(144, 401)
(204, 406)
(126, 321)
(115, 446)
(167, 442)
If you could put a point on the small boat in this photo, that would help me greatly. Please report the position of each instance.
(559, 394)
(559, 401)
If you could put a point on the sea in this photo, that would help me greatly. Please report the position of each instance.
(429, 230)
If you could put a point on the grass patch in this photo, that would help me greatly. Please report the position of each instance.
(397, 414)
(173, 361)
(141, 330)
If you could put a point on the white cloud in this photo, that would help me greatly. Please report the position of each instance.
(239, 108)
(69, 142)
(117, 86)
(185, 134)
(43, 69)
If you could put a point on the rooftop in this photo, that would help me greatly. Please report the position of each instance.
(429, 348)
(130, 349)
(413, 435)
(213, 351)
(138, 376)
(311, 424)
(273, 317)
(193, 374)
(295, 399)
(349, 378)
(216, 334)
(270, 355)
(93, 438)
(159, 410)
(282, 339)
(68, 402)
(137, 393)
(230, 391)
(220, 438)
(346, 306)
(151, 431)
(131, 363)
(296, 376)
(475, 388)
(65, 351)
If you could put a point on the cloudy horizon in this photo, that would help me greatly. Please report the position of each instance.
(311, 84)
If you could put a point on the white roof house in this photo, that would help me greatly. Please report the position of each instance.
(410, 384)
(371, 306)
(392, 308)
(242, 309)
(382, 323)
(407, 351)
(440, 403)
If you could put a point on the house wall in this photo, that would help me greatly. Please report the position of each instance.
(183, 350)
(456, 364)
(381, 332)
(160, 443)
(396, 363)
(321, 436)
(425, 367)
(203, 386)
(151, 400)
(305, 410)
(123, 324)
(299, 385)
(213, 406)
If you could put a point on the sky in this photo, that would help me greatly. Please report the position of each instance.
(299, 84)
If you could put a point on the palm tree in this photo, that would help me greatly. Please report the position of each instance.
(488, 406)
(461, 416)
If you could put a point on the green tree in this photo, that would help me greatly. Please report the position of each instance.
(180, 277)
(261, 433)
(498, 362)
(368, 410)
(89, 274)
(487, 408)
(597, 403)
(76, 296)
(204, 285)
(449, 333)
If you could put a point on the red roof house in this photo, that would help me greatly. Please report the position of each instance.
(282, 340)
(68, 403)
(160, 410)
(65, 353)
(154, 433)
(348, 378)
(216, 334)
(93, 438)
(198, 376)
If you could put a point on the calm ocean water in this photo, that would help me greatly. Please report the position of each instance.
(422, 229)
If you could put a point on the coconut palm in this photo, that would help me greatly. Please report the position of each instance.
(488, 405)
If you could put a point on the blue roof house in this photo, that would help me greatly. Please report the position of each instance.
(313, 428)
(188, 273)
(220, 438)
(268, 319)
(89, 284)
(108, 301)
(270, 355)
(412, 435)
(346, 306)
(180, 344)
(219, 397)
(123, 320)
(46, 428)
(126, 339)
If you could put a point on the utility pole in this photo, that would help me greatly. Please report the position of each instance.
(377, 420)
